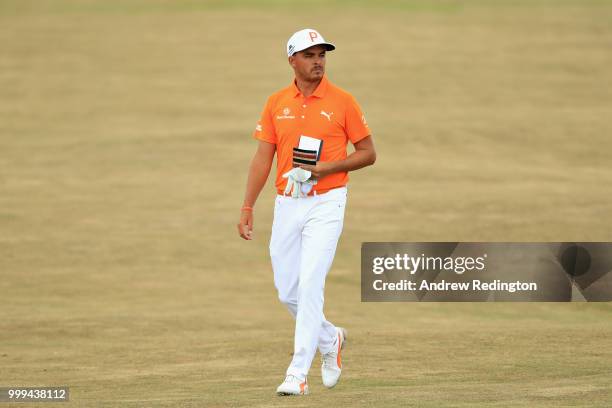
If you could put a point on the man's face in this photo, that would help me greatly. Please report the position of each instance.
(309, 64)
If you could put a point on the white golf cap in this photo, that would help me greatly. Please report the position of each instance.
(306, 38)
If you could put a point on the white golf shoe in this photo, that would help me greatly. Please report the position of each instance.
(293, 386)
(331, 366)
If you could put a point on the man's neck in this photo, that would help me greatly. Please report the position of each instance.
(307, 88)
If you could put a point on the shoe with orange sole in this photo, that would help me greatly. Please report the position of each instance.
(293, 386)
(331, 366)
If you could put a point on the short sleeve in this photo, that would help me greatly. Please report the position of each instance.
(265, 127)
(355, 125)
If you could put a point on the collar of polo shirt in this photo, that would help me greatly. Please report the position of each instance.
(318, 93)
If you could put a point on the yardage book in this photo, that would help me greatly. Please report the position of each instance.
(307, 152)
(311, 143)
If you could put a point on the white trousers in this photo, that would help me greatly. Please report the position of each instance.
(305, 233)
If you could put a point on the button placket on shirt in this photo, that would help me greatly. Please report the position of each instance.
(301, 114)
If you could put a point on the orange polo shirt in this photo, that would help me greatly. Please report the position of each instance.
(330, 114)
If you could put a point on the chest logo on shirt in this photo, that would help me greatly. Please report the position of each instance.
(327, 115)
(286, 114)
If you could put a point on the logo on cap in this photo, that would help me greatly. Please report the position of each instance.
(313, 35)
(291, 48)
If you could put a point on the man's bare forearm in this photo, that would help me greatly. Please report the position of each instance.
(356, 160)
(259, 170)
(364, 155)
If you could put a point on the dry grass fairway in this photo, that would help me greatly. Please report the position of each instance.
(124, 143)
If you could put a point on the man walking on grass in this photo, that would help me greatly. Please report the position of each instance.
(308, 125)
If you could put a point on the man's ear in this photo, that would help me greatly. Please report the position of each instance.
(291, 60)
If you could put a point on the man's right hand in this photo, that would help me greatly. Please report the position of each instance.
(245, 226)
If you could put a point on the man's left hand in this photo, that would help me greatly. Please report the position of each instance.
(319, 171)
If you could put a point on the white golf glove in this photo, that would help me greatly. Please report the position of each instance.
(295, 178)
(308, 185)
